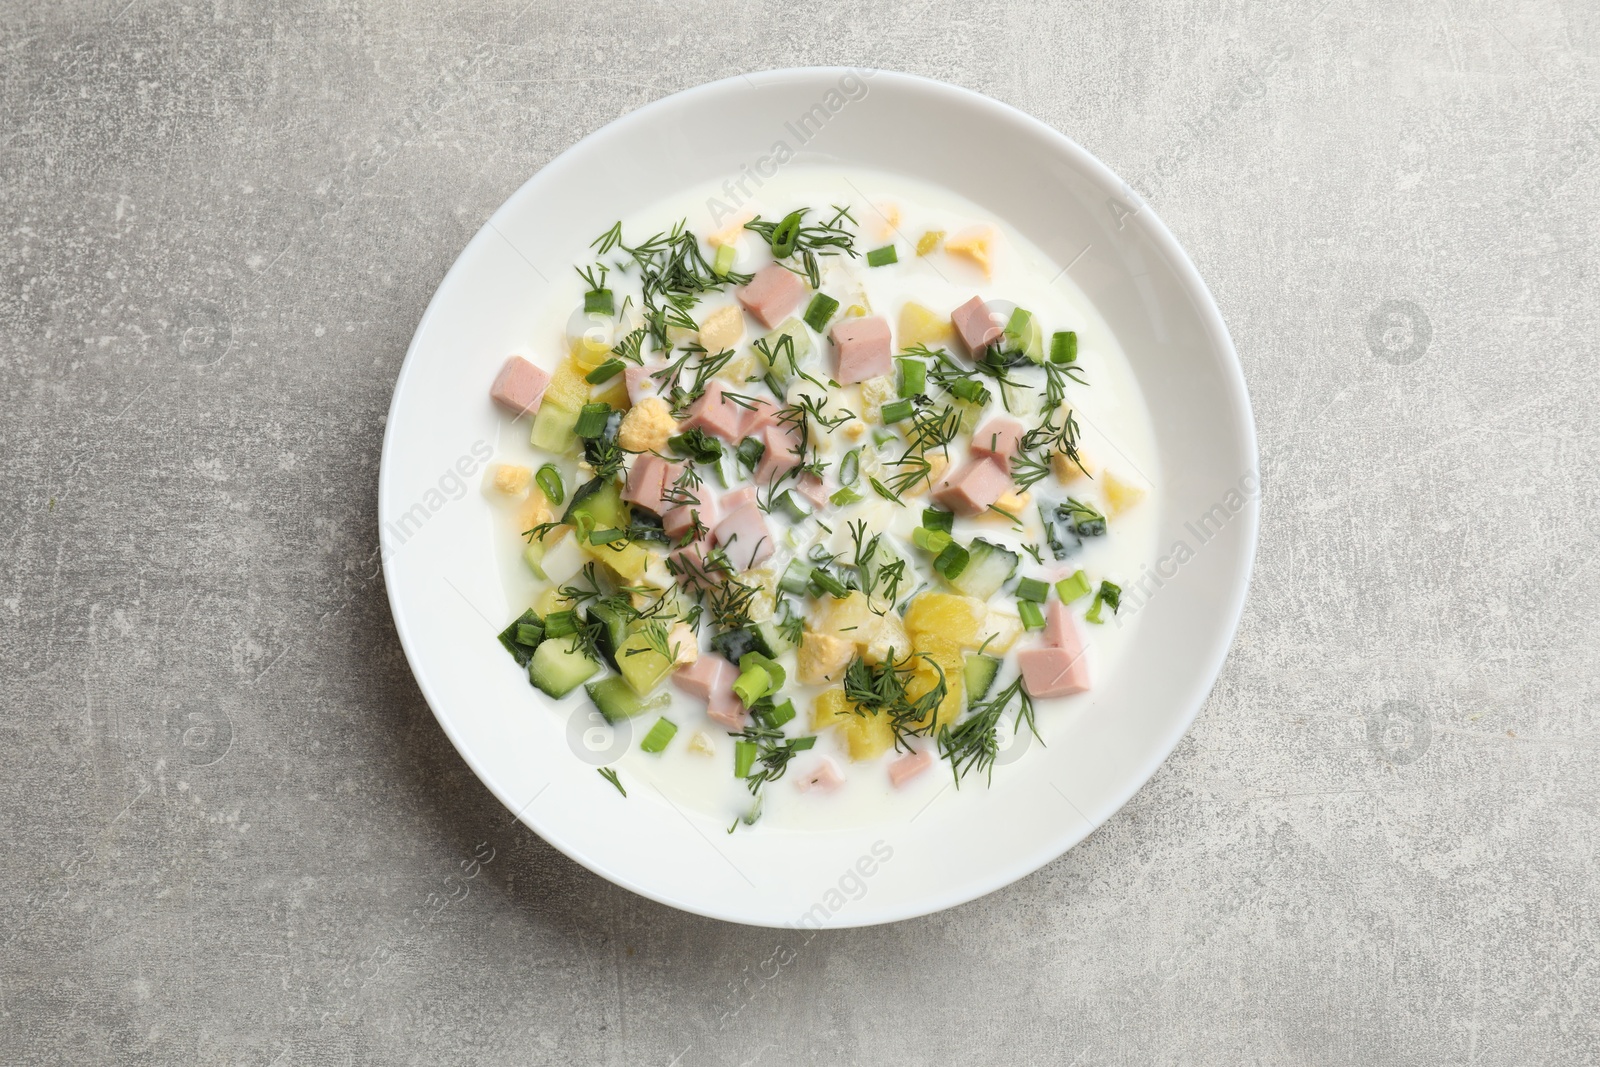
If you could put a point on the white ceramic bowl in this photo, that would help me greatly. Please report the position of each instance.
(441, 573)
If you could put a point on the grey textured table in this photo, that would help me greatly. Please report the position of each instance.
(233, 832)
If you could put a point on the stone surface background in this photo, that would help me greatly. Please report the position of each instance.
(232, 832)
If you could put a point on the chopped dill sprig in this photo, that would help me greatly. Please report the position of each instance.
(611, 776)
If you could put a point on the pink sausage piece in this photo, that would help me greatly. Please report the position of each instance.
(973, 486)
(519, 387)
(680, 520)
(908, 767)
(744, 537)
(772, 294)
(824, 777)
(975, 323)
(814, 489)
(862, 348)
(998, 439)
(757, 417)
(702, 677)
(1053, 672)
(724, 708)
(735, 499)
(649, 480)
(781, 455)
(717, 415)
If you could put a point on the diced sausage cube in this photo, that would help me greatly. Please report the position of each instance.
(972, 487)
(679, 520)
(998, 438)
(701, 677)
(649, 481)
(908, 767)
(1053, 672)
(743, 537)
(717, 415)
(975, 323)
(519, 387)
(782, 453)
(824, 777)
(862, 349)
(772, 294)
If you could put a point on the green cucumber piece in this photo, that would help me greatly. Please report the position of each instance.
(769, 640)
(980, 671)
(558, 667)
(597, 505)
(989, 566)
(613, 631)
(617, 701)
(799, 337)
(514, 637)
(553, 427)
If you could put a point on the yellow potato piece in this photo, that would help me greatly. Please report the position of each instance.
(882, 636)
(976, 245)
(722, 328)
(923, 326)
(823, 657)
(628, 564)
(1000, 631)
(929, 242)
(567, 388)
(868, 736)
(1121, 493)
(955, 618)
(888, 219)
(924, 679)
(843, 616)
(1067, 472)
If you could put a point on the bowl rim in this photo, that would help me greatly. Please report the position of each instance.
(1229, 612)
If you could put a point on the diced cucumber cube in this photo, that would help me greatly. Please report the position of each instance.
(560, 666)
(553, 428)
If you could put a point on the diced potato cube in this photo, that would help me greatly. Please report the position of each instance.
(1012, 503)
(1067, 472)
(589, 350)
(628, 563)
(823, 657)
(843, 616)
(923, 326)
(929, 242)
(999, 632)
(937, 465)
(925, 678)
(830, 709)
(567, 389)
(646, 427)
(1122, 493)
(883, 636)
(682, 639)
(868, 736)
(722, 329)
(955, 618)
(977, 245)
